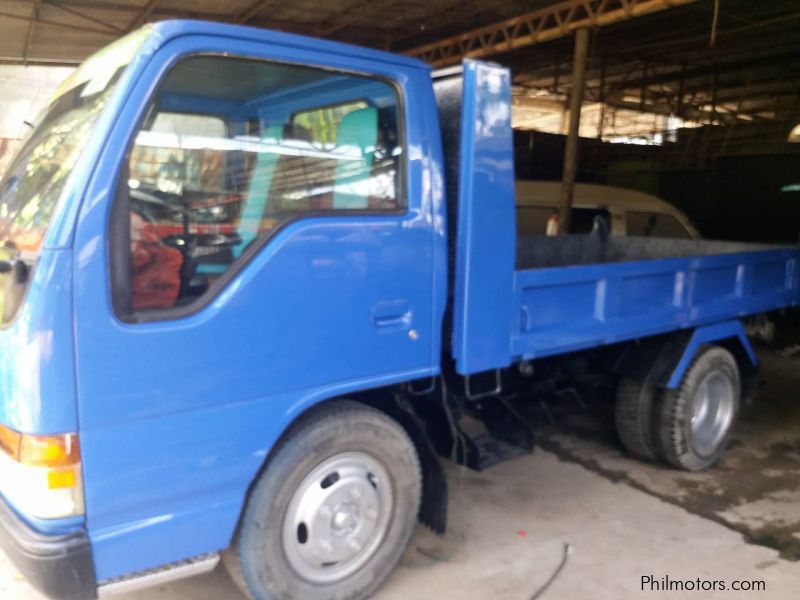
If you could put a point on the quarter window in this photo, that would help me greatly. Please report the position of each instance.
(233, 148)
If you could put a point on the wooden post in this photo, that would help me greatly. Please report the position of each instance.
(571, 150)
(602, 97)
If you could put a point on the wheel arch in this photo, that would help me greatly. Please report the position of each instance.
(666, 359)
(729, 335)
(748, 366)
(390, 401)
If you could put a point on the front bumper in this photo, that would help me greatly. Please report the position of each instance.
(59, 566)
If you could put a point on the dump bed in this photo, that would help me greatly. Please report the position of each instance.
(566, 308)
(541, 296)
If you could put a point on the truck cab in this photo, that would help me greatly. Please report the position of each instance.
(240, 213)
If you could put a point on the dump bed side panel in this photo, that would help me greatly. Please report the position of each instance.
(480, 165)
(563, 309)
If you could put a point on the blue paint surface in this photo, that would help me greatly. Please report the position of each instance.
(485, 245)
(37, 361)
(565, 309)
(707, 334)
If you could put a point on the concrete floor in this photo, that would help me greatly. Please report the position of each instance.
(754, 489)
(624, 519)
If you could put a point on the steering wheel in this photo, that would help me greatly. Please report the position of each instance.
(140, 207)
(142, 210)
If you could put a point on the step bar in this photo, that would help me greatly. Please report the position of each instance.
(154, 577)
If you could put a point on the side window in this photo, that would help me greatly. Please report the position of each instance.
(322, 123)
(157, 163)
(233, 148)
(161, 170)
(649, 224)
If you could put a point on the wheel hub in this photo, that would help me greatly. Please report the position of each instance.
(712, 412)
(337, 517)
(346, 518)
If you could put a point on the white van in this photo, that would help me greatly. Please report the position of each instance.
(627, 212)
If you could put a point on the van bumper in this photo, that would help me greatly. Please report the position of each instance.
(59, 566)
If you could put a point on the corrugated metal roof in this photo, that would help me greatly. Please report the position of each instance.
(663, 64)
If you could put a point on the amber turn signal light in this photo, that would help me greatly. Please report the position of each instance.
(40, 450)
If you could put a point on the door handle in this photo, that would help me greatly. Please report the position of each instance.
(395, 314)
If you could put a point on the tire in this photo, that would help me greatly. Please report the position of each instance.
(332, 513)
(695, 421)
(633, 414)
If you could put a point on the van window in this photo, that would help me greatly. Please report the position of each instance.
(650, 224)
(582, 219)
(233, 148)
(532, 220)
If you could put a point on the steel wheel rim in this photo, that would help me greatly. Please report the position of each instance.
(712, 412)
(337, 517)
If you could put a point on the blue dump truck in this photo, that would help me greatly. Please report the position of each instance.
(254, 285)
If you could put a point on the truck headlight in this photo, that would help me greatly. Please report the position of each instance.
(41, 474)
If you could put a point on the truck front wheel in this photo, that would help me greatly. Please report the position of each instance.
(333, 511)
(696, 419)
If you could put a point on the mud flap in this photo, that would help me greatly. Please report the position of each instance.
(433, 507)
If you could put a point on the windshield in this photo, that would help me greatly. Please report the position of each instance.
(36, 177)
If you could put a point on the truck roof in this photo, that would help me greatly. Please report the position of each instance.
(167, 30)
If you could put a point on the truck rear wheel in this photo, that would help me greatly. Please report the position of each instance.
(633, 414)
(333, 511)
(696, 419)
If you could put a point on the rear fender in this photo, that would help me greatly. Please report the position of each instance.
(729, 334)
(664, 360)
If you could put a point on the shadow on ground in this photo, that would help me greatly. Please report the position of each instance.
(755, 489)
